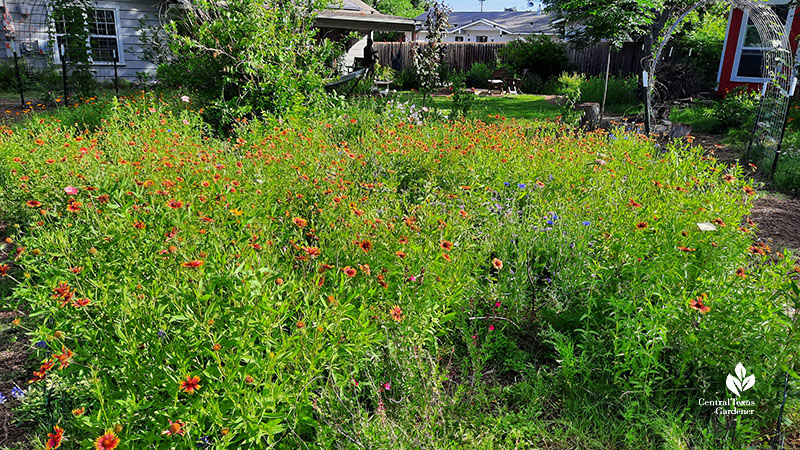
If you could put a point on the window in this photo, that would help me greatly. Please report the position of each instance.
(750, 52)
(481, 38)
(459, 38)
(104, 42)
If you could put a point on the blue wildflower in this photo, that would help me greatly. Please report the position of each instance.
(2, 398)
(162, 334)
(586, 223)
(41, 344)
(555, 216)
(17, 392)
(521, 185)
(549, 222)
(506, 183)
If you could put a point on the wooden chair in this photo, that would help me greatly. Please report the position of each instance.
(498, 81)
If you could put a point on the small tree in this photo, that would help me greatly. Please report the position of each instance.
(244, 57)
(427, 57)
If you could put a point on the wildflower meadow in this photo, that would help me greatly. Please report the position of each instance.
(369, 280)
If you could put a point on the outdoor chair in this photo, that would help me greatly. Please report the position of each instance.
(498, 81)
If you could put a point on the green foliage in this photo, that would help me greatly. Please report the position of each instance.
(402, 8)
(621, 90)
(536, 54)
(478, 75)
(247, 57)
(704, 33)
(523, 286)
(736, 110)
(463, 100)
(569, 85)
(406, 79)
(616, 20)
(8, 77)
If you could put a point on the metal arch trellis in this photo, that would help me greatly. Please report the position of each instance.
(777, 68)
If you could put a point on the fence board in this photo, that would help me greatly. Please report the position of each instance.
(590, 59)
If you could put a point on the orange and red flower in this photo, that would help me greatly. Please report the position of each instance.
(190, 384)
(397, 313)
(193, 264)
(108, 441)
(175, 428)
(54, 438)
(698, 303)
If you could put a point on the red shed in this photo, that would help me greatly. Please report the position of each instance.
(742, 54)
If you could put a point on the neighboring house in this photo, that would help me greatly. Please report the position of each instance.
(491, 26)
(114, 27)
(742, 54)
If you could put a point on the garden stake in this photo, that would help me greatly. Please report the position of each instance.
(605, 85)
(783, 131)
(116, 75)
(646, 87)
(780, 415)
(63, 71)
(19, 79)
(755, 120)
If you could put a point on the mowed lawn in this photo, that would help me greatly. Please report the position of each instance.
(510, 106)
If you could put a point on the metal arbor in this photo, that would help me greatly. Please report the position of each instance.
(776, 67)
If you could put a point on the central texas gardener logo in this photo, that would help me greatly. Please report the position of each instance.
(741, 382)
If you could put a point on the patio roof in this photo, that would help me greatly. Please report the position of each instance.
(357, 15)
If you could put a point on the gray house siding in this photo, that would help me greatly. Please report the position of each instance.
(27, 28)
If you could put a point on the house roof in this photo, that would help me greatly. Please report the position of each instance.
(517, 22)
(357, 15)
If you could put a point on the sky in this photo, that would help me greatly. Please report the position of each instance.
(489, 5)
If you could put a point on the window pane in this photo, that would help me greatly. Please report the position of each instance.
(103, 23)
(751, 37)
(750, 64)
(103, 48)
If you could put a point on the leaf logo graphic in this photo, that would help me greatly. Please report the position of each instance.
(741, 382)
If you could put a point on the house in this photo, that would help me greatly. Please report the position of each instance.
(742, 54)
(115, 30)
(491, 26)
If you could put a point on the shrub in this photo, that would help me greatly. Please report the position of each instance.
(736, 110)
(227, 56)
(406, 79)
(537, 54)
(478, 76)
(621, 90)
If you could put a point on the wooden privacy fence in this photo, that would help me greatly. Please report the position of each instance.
(590, 59)
(459, 55)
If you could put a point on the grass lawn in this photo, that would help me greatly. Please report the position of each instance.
(698, 116)
(511, 106)
(357, 279)
(530, 107)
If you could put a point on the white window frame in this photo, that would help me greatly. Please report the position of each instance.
(740, 46)
(118, 37)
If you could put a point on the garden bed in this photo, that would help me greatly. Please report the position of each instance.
(376, 281)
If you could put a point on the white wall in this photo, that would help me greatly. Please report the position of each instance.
(470, 34)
